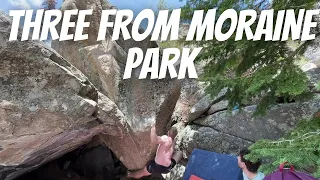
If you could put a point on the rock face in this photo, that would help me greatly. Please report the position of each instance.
(226, 132)
(205, 104)
(313, 51)
(47, 106)
(191, 94)
(135, 104)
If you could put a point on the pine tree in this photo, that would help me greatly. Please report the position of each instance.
(301, 147)
(162, 5)
(260, 70)
(49, 4)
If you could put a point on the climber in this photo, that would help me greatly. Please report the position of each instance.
(166, 158)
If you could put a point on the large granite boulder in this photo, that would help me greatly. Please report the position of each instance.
(47, 106)
(226, 132)
(137, 104)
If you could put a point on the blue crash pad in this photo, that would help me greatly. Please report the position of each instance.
(212, 166)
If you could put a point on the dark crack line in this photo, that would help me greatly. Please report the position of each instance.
(204, 114)
(194, 123)
(220, 110)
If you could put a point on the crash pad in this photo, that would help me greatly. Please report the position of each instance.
(206, 165)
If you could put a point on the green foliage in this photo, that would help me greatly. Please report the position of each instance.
(301, 147)
(170, 44)
(251, 69)
(318, 86)
(162, 5)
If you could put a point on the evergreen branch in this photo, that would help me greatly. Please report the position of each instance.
(299, 138)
